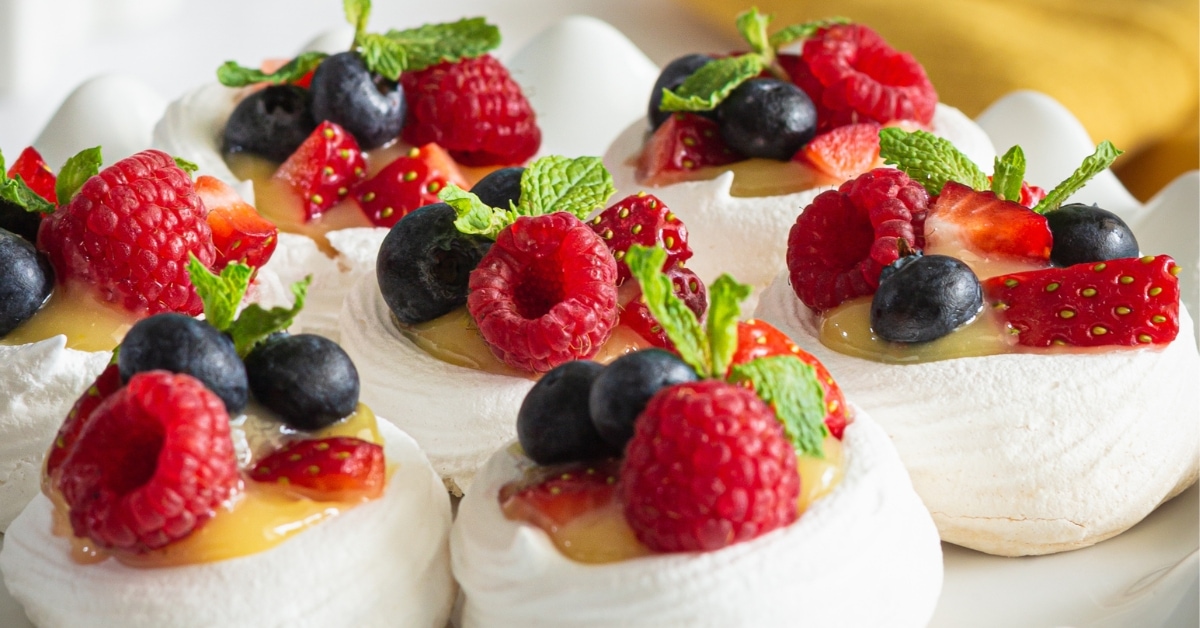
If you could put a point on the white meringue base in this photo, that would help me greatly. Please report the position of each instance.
(866, 555)
(384, 564)
(1022, 454)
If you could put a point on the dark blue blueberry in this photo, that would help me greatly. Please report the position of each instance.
(553, 424)
(182, 344)
(424, 264)
(627, 384)
(26, 280)
(305, 379)
(271, 122)
(20, 221)
(500, 187)
(767, 118)
(925, 298)
(672, 76)
(367, 105)
(1086, 233)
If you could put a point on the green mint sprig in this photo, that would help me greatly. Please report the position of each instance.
(79, 168)
(230, 74)
(791, 387)
(17, 192)
(1103, 157)
(928, 159)
(1008, 174)
(222, 294)
(451, 42)
(551, 184)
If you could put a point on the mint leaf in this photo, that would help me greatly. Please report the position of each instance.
(221, 294)
(17, 192)
(928, 159)
(712, 83)
(78, 169)
(796, 32)
(577, 185)
(677, 319)
(255, 323)
(1092, 165)
(1008, 174)
(791, 388)
(357, 13)
(724, 308)
(474, 217)
(753, 27)
(230, 74)
(432, 44)
(383, 56)
(186, 165)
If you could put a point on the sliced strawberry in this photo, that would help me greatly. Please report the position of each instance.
(645, 220)
(238, 232)
(758, 339)
(327, 469)
(843, 152)
(36, 173)
(963, 218)
(688, 287)
(559, 495)
(1131, 301)
(323, 168)
(685, 142)
(106, 384)
(410, 182)
(1030, 194)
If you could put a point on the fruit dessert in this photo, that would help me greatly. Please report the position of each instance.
(336, 148)
(727, 485)
(1013, 346)
(84, 255)
(738, 143)
(226, 460)
(490, 289)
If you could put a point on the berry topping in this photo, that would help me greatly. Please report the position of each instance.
(672, 76)
(474, 109)
(307, 380)
(151, 464)
(853, 76)
(327, 469)
(323, 169)
(128, 232)
(545, 293)
(1132, 301)
(239, 233)
(569, 492)
(687, 286)
(106, 384)
(845, 237)
(924, 298)
(424, 264)
(844, 152)
(1086, 233)
(685, 142)
(553, 424)
(686, 481)
(412, 181)
(368, 106)
(622, 390)
(965, 219)
(645, 220)
(36, 173)
(500, 188)
(26, 280)
(181, 344)
(271, 122)
(766, 117)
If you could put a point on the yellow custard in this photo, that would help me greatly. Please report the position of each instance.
(72, 310)
(754, 178)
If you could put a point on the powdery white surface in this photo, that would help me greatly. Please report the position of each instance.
(1022, 454)
(39, 382)
(459, 415)
(866, 555)
(747, 237)
(383, 563)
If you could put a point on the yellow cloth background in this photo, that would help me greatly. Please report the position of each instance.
(1128, 69)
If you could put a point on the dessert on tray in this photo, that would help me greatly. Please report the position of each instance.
(737, 144)
(749, 494)
(222, 472)
(1014, 347)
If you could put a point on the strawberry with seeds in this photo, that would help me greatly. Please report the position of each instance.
(323, 169)
(327, 469)
(410, 182)
(239, 233)
(685, 142)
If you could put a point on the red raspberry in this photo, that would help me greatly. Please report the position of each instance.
(545, 293)
(645, 220)
(151, 465)
(472, 108)
(687, 286)
(853, 75)
(708, 466)
(106, 384)
(128, 233)
(845, 237)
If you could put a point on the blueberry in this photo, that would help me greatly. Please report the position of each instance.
(767, 118)
(1086, 233)
(307, 380)
(925, 298)
(672, 76)
(271, 122)
(26, 280)
(18, 220)
(424, 264)
(553, 424)
(500, 187)
(367, 105)
(627, 384)
(181, 344)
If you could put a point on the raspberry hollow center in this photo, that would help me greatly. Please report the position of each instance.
(539, 289)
